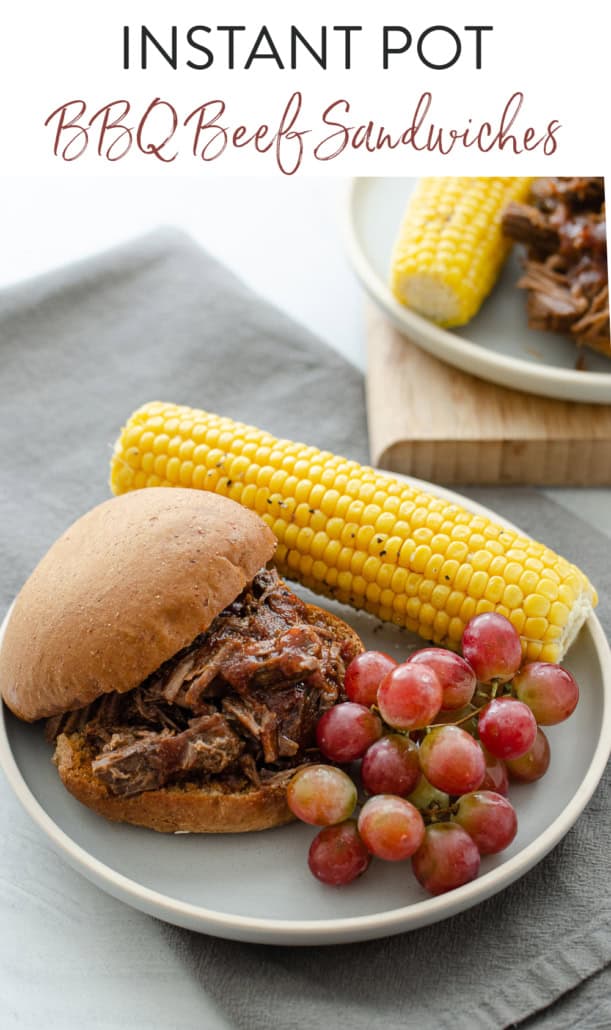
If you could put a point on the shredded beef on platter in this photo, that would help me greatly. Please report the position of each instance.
(237, 708)
(565, 271)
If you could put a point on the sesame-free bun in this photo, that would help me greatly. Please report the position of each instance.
(125, 588)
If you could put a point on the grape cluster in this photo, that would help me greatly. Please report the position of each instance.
(438, 737)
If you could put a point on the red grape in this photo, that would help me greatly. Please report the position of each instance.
(458, 681)
(391, 766)
(496, 778)
(410, 696)
(452, 760)
(534, 764)
(446, 859)
(321, 795)
(489, 819)
(492, 647)
(426, 797)
(364, 675)
(507, 728)
(345, 731)
(390, 827)
(337, 854)
(550, 692)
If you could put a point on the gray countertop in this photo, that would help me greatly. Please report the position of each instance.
(593, 505)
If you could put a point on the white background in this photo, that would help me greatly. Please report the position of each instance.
(555, 54)
(283, 236)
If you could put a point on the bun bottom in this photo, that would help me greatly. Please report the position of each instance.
(187, 807)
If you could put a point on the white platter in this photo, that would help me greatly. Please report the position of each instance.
(256, 887)
(497, 344)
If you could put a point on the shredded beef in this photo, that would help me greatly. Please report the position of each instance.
(67, 722)
(209, 745)
(294, 655)
(296, 711)
(249, 768)
(565, 271)
(257, 720)
(239, 706)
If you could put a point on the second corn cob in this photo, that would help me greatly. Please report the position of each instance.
(362, 537)
(451, 246)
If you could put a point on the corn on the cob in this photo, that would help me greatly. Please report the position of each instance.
(360, 536)
(451, 247)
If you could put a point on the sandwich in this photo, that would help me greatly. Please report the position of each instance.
(180, 679)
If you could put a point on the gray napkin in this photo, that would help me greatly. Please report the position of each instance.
(79, 350)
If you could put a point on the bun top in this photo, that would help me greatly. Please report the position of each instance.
(125, 588)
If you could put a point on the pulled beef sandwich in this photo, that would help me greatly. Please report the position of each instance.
(180, 678)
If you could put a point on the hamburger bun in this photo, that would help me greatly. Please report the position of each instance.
(127, 587)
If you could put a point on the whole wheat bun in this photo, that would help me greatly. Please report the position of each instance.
(188, 806)
(124, 589)
(128, 586)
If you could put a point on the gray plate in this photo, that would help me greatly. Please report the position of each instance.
(256, 887)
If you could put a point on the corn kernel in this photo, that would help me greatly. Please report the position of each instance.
(433, 566)
(439, 597)
(357, 561)
(517, 619)
(454, 603)
(467, 609)
(344, 581)
(420, 558)
(495, 589)
(457, 551)
(513, 571)
(536, 605)
(317, 494)
(478, 584)
(528, 582)
(448, 571)
(440, 626)
(559, 614)
(405, 554)
(371, 569)
(463, 578)
(185, 475)
(359, 586)
(455, 630)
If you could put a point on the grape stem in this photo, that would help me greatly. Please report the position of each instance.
(495, 686)
(435, 814)
(457, 722)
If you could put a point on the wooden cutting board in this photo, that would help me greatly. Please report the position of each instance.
(432, 421)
